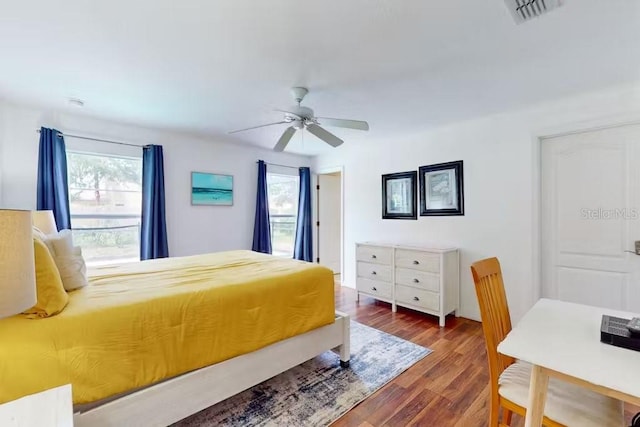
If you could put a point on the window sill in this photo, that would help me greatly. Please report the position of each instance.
(112, 262)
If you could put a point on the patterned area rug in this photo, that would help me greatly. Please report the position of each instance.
(319, 391)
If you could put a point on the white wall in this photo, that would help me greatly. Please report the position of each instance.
(501, 155)
(3, 128)
(191, 229)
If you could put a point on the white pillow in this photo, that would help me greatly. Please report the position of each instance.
(73, 269)
(68, 259)
(60, 243)
(38, 233)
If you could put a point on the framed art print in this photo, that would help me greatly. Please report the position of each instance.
(442, 189)
(399, 199)
(211, 189)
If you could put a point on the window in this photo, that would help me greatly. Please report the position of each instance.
(105, 197)
(283, 211)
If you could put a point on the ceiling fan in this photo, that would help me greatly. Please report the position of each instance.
(303, 118)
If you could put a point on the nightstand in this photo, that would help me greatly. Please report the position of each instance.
(50, 408)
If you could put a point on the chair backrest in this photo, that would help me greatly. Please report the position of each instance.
(496, 322)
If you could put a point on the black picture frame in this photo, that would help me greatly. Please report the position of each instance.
(399, 195)
(446, 200)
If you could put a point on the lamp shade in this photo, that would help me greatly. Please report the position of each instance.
(44, 221)
(17, 264)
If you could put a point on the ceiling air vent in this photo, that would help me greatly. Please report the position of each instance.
(525, 10)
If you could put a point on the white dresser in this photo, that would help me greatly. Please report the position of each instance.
(420, 278)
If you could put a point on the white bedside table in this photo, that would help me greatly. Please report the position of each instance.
(50, 408)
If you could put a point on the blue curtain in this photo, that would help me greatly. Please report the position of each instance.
(153, 234)
(53, 190)
(262, 226)
(303, 249)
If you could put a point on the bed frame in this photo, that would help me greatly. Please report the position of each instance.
(170, 401)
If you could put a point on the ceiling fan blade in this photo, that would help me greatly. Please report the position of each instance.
(342, 123)
(324, 135)
(284, 139)
(256, 127)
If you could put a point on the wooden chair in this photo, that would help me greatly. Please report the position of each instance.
(567, 404)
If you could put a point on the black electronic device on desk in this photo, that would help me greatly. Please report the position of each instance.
(620, 332)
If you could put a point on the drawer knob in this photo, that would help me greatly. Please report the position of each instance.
(374, 289)
(374, 273)
(416, 299)
(416, 262)
(373, 257)
(416, 281)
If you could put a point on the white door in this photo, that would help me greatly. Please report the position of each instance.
(329, 214)
(590, 217)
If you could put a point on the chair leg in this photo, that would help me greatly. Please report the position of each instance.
(494, 412)
(506, 416)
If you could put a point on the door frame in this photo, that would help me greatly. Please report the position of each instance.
(326, 171)
(537, 138)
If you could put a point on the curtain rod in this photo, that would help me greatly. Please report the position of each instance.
(97, 139)
(282, 166)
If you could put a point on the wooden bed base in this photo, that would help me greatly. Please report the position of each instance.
(172, 400)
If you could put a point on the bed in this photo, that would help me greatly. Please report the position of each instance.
(193, 330)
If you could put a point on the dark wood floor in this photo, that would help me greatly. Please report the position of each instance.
(450, 387)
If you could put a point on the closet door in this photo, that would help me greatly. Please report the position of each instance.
(591, 217)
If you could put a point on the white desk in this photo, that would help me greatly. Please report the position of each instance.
(562, 339)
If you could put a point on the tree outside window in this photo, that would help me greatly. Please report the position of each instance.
(105, 195)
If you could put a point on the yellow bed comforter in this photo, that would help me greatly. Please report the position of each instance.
(137, 324)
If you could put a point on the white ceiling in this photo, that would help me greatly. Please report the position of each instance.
(208, 67)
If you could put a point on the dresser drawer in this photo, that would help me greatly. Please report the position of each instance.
(375, 254)
(374, 287)
(425, 261)
(417, 297)
(374, 271)
(418, 279)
